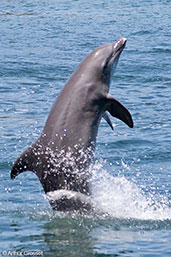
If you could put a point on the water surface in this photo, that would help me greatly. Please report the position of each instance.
(42, 42)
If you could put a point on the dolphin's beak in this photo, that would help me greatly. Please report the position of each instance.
(119, 45)
(116, 51)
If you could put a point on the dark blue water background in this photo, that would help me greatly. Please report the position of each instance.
(41, 44)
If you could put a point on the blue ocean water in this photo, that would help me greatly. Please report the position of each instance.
(42, 42)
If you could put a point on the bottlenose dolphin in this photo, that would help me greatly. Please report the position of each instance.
(61, 157)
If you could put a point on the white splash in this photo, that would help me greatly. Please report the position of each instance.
(58, 194)
(121, 198)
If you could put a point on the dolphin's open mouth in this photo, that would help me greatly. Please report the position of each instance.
(117, 50)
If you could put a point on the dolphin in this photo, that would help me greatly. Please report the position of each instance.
(63, 154)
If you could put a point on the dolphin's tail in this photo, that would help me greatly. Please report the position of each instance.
(51, 170)
(25, 162)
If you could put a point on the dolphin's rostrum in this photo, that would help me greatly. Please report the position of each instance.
(61, 157)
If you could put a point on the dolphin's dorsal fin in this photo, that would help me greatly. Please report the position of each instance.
(23, 163)
(117, 110)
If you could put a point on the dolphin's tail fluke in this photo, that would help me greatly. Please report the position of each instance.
(23, 163)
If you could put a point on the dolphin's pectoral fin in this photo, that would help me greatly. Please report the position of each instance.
(106, 117)
(23, 163)
(118, 111)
